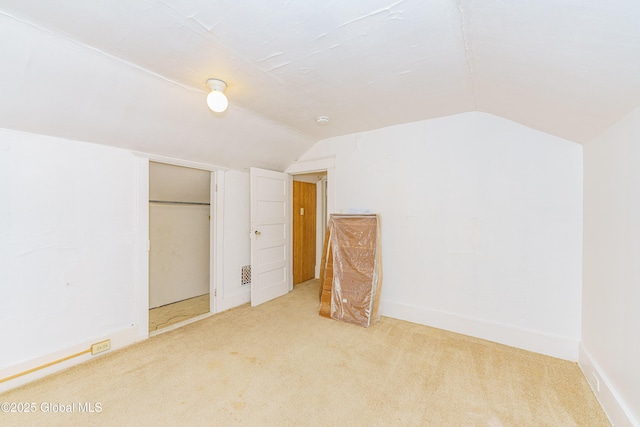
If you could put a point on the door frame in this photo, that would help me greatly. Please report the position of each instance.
(318, 207)
(216, 226)
(327, 165)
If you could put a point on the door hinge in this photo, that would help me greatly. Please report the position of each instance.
(215, 292)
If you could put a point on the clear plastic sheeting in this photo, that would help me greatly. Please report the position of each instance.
(351, 275)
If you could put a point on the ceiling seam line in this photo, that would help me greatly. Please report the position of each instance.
(95, 49)
(467, 54)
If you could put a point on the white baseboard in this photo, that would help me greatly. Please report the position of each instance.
(550, 345)
(229, 302)
(118, 339)
(611, 402)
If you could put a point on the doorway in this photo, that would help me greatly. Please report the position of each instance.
(179, 234)
(309, 220)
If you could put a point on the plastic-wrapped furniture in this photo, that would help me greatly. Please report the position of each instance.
(351, 270)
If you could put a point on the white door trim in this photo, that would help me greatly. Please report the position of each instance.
(319, 165)
(141, 302)
(216, 241)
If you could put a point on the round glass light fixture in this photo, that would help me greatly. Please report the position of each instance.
(322, 120)
(217, 100)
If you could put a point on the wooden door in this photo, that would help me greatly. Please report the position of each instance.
(304, 231)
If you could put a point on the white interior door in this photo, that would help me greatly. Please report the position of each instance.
(270, 231)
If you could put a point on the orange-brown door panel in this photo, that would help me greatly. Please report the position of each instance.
(304, 231)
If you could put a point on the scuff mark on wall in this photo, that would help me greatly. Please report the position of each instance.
(27, 66)
(42, 248)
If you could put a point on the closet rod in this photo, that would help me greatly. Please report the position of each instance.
(179, 203)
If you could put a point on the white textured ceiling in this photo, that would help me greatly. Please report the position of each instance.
(133, 72)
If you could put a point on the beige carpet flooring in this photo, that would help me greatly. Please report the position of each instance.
(170, 314)
(280, 364)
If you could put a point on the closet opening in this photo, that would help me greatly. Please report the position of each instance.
(179, 249)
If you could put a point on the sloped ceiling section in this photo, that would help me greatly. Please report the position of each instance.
(569, 68)
(54, 86)
(133, 73)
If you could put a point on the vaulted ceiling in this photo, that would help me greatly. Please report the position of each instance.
(133, 73)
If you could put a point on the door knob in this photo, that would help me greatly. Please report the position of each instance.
(257, 233)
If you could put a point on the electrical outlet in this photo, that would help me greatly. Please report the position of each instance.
(100, 346)
(597, 383)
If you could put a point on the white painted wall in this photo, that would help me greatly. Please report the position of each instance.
(611, 287)
(179, 255)
(481, 225)
(68, 254)
(73, 259)
(236, 248)
(179, 183)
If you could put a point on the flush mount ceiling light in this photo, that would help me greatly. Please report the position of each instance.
(216, 100)
(322, 120)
